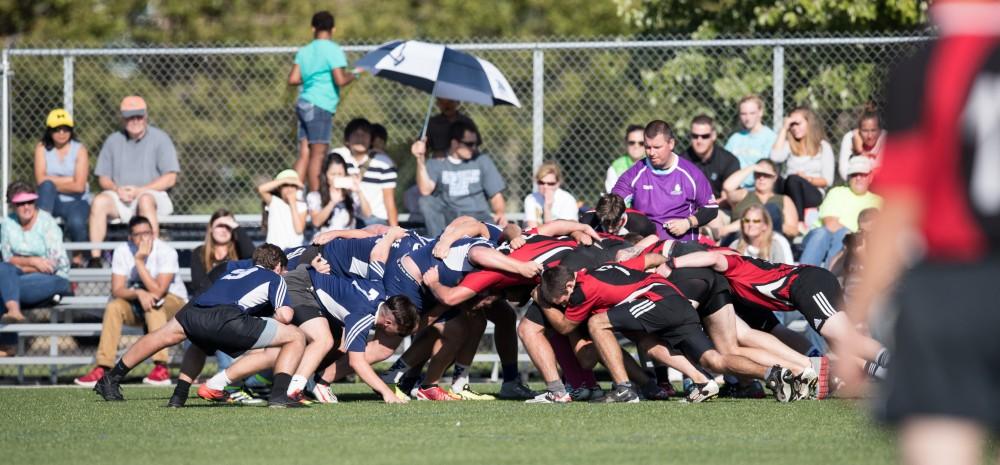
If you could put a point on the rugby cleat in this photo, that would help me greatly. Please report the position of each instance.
(213, 395)
(297, 396)
(548, 397)
(238, 395)
(323, 394)
(176, 401)
(669, 387)
(463, 392)
(583, 393)
(780, 382)
(108, 389)
(805, 384)
(821, 366)
(433, 393)
(702, 392)
(653, 391)
(620, 393)
(515, 390)
(285, 402)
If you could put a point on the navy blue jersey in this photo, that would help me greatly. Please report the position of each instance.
(496, 232)
(456, 265)
(353, 301)
(349, 257)
(294, 255)
(256, 290)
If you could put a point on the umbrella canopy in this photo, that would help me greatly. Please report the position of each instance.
(440, 71)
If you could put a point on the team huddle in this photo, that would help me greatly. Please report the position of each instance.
(312, 315)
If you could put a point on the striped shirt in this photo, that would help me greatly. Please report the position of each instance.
(380, 174)
(256, 290)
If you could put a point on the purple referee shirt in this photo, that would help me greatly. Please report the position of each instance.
(663, 195)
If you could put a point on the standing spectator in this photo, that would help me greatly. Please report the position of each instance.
(839, 214)
(755, 140)
(668, 189)
(136, 168)
(320, 68)
(284, 210)
(466, 182)
(438, 127)
(808, 159)
(225, 240)
(715, 162)
(146, 289)
(634, 151)
(779, 207)
(758, 238)
(549, 202)
(865, 140)
(375, 170)
(36, 267)
(385, 175)
(62, 171)
(333, 207)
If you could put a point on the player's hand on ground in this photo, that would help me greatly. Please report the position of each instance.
(431, 276)
(529, 269)
(320, 264)
(391, 398)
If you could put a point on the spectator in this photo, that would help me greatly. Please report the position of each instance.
(808, 159)
(466, 182)
(320, 68)
(758, 238)
(136, 168)
(634, 151)
(755, 140)
(865, 140)
(715, 162)
(839, 214)
(225, 240)
(779, 207)
(549, 202)
(439, 125)
(668, 189)
(284, 210)
(62, 171)
(333, 207)
(376, 171)
(146, 290)
(36, 267)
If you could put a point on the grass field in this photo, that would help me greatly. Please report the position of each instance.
(71, 425)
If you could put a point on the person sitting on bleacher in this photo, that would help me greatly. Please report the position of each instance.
(146, 289)
(224, 241)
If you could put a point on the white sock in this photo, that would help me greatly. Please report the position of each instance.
(461, 377)
(219, 381)
(298, 383)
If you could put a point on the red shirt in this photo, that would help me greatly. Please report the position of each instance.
(599, 289)
(546, 250)
(761, 283)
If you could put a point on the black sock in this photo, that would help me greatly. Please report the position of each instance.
(407, 383)
(428, 386)
(119, 371)
(279, 390)
(182, 389)
(509, 372)
(319, 380)
(662, 374)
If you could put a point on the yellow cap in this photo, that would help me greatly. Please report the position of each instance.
(289, 175)
(59, 117)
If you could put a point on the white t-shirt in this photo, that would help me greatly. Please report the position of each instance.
(781, 250)
(280, 230)
(563, 207)
(340, 218)
(162, 259)
(819, 165)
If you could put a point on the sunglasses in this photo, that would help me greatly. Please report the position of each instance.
(21, 204)
(700, 136)
(636, 143)
(471, 145)
(752, 220)
(543, 183)
(63, 129)
(860, 175)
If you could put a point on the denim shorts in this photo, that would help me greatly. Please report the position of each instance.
(315, 123)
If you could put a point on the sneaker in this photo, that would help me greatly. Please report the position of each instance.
(213, 395)
(619, 394)
(653, 391)
(805, 384)
(669, 387)
(551, 398)
(258, 386)
(108, 389)
(780, 383)
(90, 379)
(297, 396)
(176, 401)
(285, 402)
(821, 366)
(433, 393)
(580, 394)
(323, 394)
(465, 393)
(160, 376)
(238, 395)
(703, 392)
(95, 262)
(516, 390)
(399, 392)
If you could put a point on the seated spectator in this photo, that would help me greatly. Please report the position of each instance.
(285, 212)
(866, 140)
(376, 171)
(779, 207)
(380, 139)
(839, 214)
(635, 150)
(846, 265)
(37, 268)
(333, 207)
(755, 140)
(136, 168)
(715, 162)
(549, 202)
(758, 238)
(439, 126)
(610, 216)
(466, 182)
(62, 171)
(808, 159)
(225, 240)
(146, 290)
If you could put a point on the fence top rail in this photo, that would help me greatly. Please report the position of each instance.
(513, 46)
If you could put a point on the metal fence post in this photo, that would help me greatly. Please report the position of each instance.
(68, 83)
(5, 127)
(537, 108)
(778, 84)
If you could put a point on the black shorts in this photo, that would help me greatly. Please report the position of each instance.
(300, 292)
(671, 317)
(708, 288)
(946, 359)
(535, 315)
(816, 294)
(226, 328)
(755, 317)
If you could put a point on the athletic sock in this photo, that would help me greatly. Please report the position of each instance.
(428, 386)
(280, 387)
(875, 370)
(662, 373)
(510, 373)
(182, 389)
(407, 383)
(555, 387)
(461, 375)
(119, 371)
(882, 358)
(400, 365)
(219, 381)
(319, 380)
(298, 383)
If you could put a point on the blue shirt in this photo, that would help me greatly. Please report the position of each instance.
(750, 148)
(293, 254)
(352, 301)
(256, 290)
(316, 62)
(456, 265)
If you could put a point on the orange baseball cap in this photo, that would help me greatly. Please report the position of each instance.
(132, 106)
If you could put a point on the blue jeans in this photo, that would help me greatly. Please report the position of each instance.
(315, 123)
(29, 288)
(821, 244)
(73, 212)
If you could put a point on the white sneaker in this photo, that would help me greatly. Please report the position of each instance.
(702, 392)
(323, 394)
(805, 385)
(550, 398)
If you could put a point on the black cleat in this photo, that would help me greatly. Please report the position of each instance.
(781, 382)
(108, 389)
(285, 402)
(176, 401)
(619, 394)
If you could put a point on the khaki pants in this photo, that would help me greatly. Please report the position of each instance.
(118, 313)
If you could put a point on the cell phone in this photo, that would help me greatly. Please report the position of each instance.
(343, 182)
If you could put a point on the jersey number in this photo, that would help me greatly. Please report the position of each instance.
(238, 274)
(982, 122)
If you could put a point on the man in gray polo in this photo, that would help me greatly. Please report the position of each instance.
(136, 168)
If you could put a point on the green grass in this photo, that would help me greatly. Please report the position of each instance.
(71, 425)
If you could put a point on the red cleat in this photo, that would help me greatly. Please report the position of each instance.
(212, 395)
(433, 393)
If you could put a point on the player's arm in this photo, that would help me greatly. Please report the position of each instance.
(490, 258)
(583, 233)
(323, 238)
(714, 260)
(380, 253)
(277, 295)
(559, 321)
(364, 371)
(449, 296)
(462, 226)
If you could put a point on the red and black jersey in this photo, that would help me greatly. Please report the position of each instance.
(762, 283)
(942, 120)
(545, 250)
(598, 289)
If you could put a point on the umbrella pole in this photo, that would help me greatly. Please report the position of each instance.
(427, 117)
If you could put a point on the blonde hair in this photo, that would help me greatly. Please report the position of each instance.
(208, 247)
(547, 168)
(752, 98)
(810, 145)
(768, 233)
